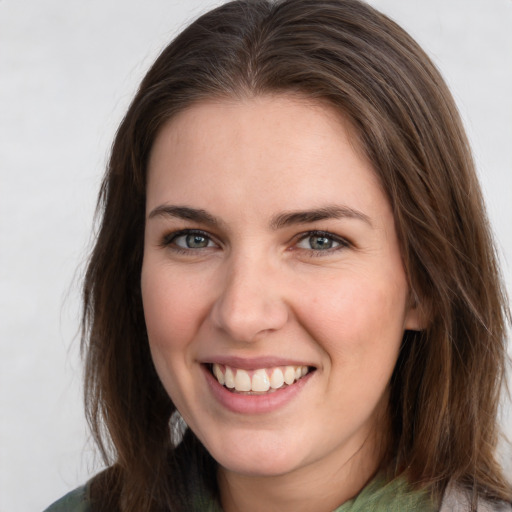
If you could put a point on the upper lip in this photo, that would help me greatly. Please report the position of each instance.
(254, 363)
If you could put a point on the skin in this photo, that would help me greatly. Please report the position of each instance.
(255, 288)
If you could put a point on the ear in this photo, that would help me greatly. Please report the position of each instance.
(418, 315)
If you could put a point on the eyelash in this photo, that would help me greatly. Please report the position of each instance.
(169, 241)
(342, 243)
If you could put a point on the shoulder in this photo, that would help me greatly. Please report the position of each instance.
(75, 501)
(456, 499)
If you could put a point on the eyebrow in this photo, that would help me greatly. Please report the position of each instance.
(279, 221)
(327, 212)
(186, 213)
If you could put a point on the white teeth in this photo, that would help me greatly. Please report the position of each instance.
(218, 374)
(289, 375)
(229, 378)
(240, 380)
(277, 379)
(260, 381)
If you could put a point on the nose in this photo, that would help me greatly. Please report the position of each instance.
(250, 303)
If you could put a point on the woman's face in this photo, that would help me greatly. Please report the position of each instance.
(274, 293)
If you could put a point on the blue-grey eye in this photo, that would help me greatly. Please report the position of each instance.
(319, 242)
(192, 241)
(197, 241)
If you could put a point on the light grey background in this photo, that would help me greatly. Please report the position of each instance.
(68, 69)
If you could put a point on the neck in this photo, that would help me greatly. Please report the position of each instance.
(320, 486)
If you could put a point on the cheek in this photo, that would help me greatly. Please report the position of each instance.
(172, 320)
(358, 322)
(171, 308)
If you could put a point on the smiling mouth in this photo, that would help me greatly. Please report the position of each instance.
(260, 381)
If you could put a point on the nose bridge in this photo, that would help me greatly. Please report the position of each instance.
(250, 302)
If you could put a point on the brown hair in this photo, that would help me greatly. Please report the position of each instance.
(446, 385)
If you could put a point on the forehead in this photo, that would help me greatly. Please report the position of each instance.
(273, 109)
(281, 148)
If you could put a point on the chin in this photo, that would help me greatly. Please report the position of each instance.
(259, 468)
(263, 457)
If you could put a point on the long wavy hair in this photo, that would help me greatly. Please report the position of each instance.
(446, 385)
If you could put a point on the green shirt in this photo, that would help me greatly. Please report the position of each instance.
(377, 496)
(75, 501)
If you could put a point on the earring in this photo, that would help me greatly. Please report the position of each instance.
(177, 426)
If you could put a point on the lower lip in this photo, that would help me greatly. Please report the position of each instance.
(254, 404)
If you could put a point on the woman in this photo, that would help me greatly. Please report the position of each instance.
(293, 302)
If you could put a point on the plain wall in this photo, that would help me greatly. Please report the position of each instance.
(67, 72)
